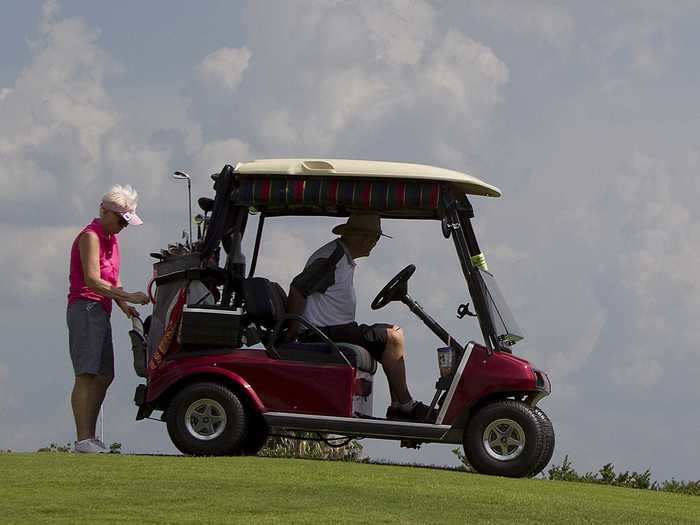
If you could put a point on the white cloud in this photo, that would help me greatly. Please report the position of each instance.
(355, 71)
(563, 362)
(214, 155)
(60, 129)
(57, 113)
(463, 76)
(225, 67)
(37, 259)
(640, 46)
(639, 374)
(398, 29)
(547, 20)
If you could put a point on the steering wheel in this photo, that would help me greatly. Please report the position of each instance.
(395, 290)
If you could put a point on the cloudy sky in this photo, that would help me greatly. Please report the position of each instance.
(585, 114)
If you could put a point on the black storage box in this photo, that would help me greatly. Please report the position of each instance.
(210, 325)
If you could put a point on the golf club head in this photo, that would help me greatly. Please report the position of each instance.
(206, 204)
(180, 175)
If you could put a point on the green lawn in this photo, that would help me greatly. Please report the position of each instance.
(68, 488)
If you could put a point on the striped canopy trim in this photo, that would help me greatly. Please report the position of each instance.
(282, 192)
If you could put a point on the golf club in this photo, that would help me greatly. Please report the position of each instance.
(179, 175)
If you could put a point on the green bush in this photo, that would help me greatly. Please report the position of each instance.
(635, 480)
(605, 476)
(54, 447)
(691, 488)
(463, 459)
(306, 445)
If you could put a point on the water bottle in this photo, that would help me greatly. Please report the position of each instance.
(445, 358)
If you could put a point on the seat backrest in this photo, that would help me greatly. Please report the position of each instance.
(266, 301)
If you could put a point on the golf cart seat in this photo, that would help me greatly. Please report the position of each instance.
(324, 353)
(266, 304)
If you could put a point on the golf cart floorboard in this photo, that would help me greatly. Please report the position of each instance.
(360, 427)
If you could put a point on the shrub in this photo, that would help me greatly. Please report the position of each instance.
(306, 445)
(463, 459)
(607, 476)
(54, 447)
(681, 487)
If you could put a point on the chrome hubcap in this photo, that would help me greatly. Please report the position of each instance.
(504, 439)
(205, 419)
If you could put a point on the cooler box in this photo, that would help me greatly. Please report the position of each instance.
(210, 325)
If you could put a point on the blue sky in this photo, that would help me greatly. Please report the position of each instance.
(584, 114)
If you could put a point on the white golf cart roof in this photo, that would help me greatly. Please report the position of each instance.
(366, 169)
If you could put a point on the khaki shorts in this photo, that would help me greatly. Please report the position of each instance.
(90, 339)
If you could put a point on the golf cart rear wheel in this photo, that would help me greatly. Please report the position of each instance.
(548, 447)
(255, 438)
(504, 438)
(206, 419)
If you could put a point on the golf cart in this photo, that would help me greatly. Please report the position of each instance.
(219, 367)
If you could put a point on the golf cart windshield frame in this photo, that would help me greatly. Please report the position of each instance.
(277, 196)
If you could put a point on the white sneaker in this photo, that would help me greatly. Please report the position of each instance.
(101, 444)
(89, 446)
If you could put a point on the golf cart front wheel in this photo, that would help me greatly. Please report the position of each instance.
(504, 438)
(206, 419)
(548, 446)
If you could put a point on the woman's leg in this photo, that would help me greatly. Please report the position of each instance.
(97, 397)
(82, 400)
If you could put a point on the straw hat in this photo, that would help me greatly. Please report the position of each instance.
(364, 224)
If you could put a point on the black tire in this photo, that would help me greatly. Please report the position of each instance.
(255, 439)
(522, 430)
(548, 448)
(217, 421)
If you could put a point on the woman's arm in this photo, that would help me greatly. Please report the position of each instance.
(129, 311)
(89, 246)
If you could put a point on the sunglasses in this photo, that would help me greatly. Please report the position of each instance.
(122, 221)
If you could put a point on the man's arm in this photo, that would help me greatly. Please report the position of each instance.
(316, 277)
(295, 306)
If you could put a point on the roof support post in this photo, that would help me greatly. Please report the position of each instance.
(462, 231)
(256, 249)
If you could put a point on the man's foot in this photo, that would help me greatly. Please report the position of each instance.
(101, 444)
(89, 446)
(417, 411)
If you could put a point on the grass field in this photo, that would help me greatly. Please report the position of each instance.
(69, 488)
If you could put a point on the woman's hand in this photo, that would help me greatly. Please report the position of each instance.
(138, 298)
(130, 311)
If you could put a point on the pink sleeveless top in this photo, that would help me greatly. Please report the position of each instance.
(109, 267)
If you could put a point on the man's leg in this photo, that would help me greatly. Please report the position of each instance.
(81, 401)
(394, 365)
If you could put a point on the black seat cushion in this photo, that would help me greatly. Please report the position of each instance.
(324, 353)
(265, 301)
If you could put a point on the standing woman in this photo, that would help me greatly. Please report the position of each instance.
(94, 283)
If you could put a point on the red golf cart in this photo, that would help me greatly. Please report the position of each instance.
(214, 351)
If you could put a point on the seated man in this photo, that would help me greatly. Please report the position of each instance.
(324, 294)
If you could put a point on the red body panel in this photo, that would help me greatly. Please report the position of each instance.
(486, 374)
(272, 384)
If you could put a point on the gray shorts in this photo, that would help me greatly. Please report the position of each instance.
(90, 339)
